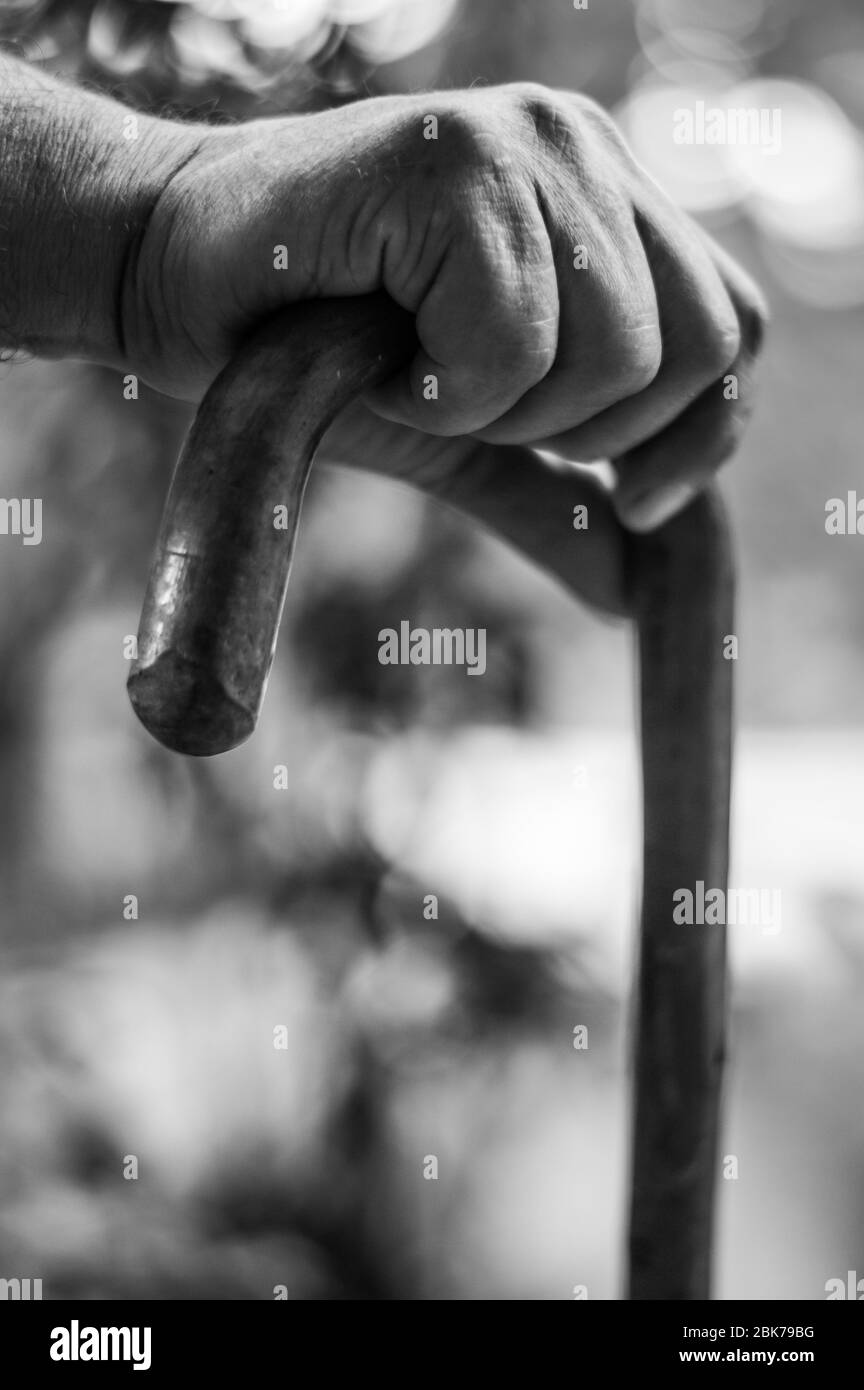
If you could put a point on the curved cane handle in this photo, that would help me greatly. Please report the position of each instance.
(217, 583)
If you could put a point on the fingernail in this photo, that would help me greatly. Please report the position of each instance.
(648, 512)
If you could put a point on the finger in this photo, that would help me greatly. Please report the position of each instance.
(512, 492)
(659, 478)
(487, 325)
(609, 339)
(700, 338)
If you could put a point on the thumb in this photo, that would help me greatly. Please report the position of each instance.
(509, 490)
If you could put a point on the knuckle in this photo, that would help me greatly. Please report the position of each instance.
(471, 136)
(532, 97)
(549, 115)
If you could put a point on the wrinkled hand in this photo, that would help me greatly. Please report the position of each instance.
(561, 300)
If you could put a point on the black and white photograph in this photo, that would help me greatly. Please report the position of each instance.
(431, 670)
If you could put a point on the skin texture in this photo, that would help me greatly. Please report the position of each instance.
(169, 262)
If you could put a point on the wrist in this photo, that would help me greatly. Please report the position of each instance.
(139, 195)
(116, 200)
(79, 177)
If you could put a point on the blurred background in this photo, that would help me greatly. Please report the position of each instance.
(161, 917)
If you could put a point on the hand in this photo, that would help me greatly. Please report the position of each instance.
(620, 350)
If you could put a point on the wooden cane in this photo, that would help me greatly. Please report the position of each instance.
(682, 589)
(205, 646)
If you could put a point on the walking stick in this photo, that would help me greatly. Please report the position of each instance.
(208, 631)
(682, 590)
